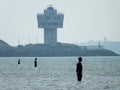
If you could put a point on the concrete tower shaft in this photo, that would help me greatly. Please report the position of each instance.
(50, 20)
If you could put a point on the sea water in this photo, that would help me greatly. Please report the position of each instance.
(59, 73)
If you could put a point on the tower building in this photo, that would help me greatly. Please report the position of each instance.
(50, 20)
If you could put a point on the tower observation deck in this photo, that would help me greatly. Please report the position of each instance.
(50, 20)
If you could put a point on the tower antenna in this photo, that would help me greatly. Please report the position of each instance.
(19, 40)
(36, 39)
(29, 40)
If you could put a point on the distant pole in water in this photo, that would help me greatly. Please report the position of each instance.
(18, 61)
(35, 62)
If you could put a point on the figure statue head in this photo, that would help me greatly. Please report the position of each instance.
(35, 58)
(79, 59)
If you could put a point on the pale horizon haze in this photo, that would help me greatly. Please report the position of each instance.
(84, 20)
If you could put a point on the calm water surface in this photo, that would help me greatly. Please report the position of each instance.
(58, 73)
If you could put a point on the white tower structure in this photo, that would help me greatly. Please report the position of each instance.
(50, 20)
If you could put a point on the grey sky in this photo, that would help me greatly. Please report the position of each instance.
(84, 20)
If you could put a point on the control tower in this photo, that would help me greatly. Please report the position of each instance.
(50, 20)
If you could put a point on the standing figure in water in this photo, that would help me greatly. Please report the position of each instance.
(18, 61)
(35, 62)
(79, 69)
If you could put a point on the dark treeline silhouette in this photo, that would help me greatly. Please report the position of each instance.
(61, 49)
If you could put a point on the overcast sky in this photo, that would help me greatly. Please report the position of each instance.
(84, 20)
